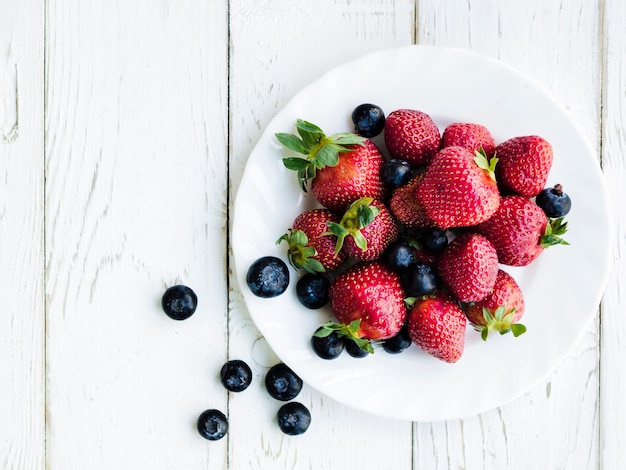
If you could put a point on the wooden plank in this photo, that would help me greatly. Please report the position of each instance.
(277, 48)
(613, 328)
(136, 158)
(21, 235)
(558, 419)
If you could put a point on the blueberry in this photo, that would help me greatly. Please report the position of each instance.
(212, 425)
(554, 202)
(312, 290)
(282, 383)
(435, 240)
(399, 342)
(179, 302)
(328, 347)
(293, 418)
(354, 349)
(236, 375)
(268, 277)
(368, 119)
(395, 172)
(419, 279)
(398, 255)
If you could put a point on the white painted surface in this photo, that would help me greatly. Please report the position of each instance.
(134, 122)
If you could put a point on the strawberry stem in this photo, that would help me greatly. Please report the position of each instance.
(347, 331)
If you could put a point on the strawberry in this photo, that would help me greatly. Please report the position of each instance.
(468, 267)
(470, 136)
(500, 310)
(365, 230)
(524, 164)
(311, 247)
(405, 206)
(459, 188)
(341, 168)
(437, 325)
(371, 294)
(412, 136)
(520, 230)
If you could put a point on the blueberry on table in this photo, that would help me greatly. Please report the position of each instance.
(179, 302)
(268, 277)
(312, 290)
(395, 172)
(399, 342)
(282, 383)
(355, 350)
(435, 240)
(212, 424)
(554, 202)
(236, 375)
(293, 418)
(419, 279)
(329, 346)
(368, 119)
(398, 256)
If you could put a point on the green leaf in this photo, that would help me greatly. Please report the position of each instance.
(296, 163)
(484, 333)
(347, 138)
(326, 156)
(518, 329)
(485, 163)
(366, 214)
(298, 237)
(292, 142)
(311, 265)
(359, 240)
(554, 230)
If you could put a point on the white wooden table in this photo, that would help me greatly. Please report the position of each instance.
(124, 130)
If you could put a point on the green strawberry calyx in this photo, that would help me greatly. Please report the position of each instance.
(358, 215)
(554, 230)
(319, 150)
(300, 254)
(350, 331)
(485, 163)
(501, 321)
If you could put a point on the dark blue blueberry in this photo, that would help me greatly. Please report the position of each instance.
(554, 202)
(268, 277)
(368, 119)
(419, 279)
(398, 256)
(282, 383)
(399, 342)
(293, 418)
(435, 240)
(395, 172)
(354, 349)
(328, 347)
(312, 290)
(236, 375)
(179, 302)
(212, 425)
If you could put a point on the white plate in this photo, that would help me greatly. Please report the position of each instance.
(563, 287)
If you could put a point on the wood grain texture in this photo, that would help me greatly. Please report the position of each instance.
(558, 418)
(22, 326)
(613, 327)
(277, 48)
(136, 167)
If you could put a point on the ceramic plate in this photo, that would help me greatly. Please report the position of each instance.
(562, 287)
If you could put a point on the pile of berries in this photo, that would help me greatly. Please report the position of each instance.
(411, 234)
(179, 302)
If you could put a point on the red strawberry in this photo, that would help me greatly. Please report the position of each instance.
(371, 294)
(342, 167)
(405, 206)
(459, 188)
(470, 136)
(468, 267)
(311, 247)
(523, 164)
(520, 231)
(500, 310)
(437, 325)
(412, 136)
(365, 230)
